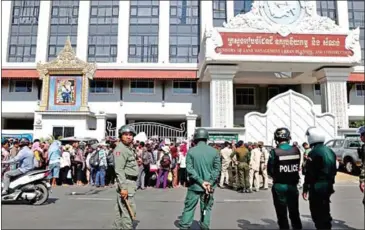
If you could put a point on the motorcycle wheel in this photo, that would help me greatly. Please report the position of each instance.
(43, 197)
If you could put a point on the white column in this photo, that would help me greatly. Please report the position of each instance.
(334, 93)
(100, 126)
(206, 16)
(229, 9)
(221, 95)
(123, 31)
(164, 32)
(343, 14)
(191, 125)
(38, 127)
(43, 30)
(83, 30)
(120, 121)
(5, 29)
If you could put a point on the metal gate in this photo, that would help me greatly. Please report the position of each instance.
(162, 131)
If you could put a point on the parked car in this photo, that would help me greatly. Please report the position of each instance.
(87, 140)
(346, 150)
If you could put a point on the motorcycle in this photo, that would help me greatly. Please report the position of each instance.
(32, 186)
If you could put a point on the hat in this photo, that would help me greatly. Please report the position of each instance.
(260, 143)
(94, 146)
(166, 149)
(67, 147)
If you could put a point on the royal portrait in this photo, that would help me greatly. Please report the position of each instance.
(65, 91)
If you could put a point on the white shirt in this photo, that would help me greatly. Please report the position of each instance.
(65, 160)
(226, 155)
(182, 160)
(255, 159)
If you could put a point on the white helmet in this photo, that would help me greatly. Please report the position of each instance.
(315, 135)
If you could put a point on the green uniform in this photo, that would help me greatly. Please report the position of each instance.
(319, 179)
(126, 171)
(202, 164)
(243, 168)
(362, 173)
(283, 167)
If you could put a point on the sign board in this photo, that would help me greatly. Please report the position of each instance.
(317, 45)
(17, 136)
(222, 137)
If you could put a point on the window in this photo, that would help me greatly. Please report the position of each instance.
(184, 31)
(142, 86)
(143, 31)
(20, 86)
(360, 90)
(23, 31)
(245, 96)
(184, 87)
(338, 143)
(327, 9)
(103, 31)
(63, 132)
(219, 12)
(101, 86)
(272, 92)
(317, 90)
(356, 19)
(330, 143)
(242, 6)
(64, 21)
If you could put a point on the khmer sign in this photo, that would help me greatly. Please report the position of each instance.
(292, 45)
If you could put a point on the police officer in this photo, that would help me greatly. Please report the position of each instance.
(242, 155)
(283, 167)
(361, 131)
(319, 179)
(126, 170)
(203, 166)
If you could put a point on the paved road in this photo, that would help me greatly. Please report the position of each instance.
(160, 209)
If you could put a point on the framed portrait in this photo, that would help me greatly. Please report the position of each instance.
(65, 91)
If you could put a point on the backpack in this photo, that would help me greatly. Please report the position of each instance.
(110, 159)
(94, 160)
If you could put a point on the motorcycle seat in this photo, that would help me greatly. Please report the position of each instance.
(32, 172)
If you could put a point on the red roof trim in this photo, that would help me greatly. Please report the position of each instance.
(356, 77)
(19, 73)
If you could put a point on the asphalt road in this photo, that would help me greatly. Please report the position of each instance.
(160, 209)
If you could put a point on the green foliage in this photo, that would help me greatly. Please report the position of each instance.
(357, 124)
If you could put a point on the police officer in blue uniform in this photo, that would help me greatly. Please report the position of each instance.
(283, 167)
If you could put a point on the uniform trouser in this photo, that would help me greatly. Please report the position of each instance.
(319, 206)
(8, 175)
(286, 198)
(224, 174)
(243, 171)
(191, 201)
(254, 179)
(265, 178)
(123, 218)
(141, 177)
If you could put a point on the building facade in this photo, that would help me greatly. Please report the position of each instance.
(153, 69)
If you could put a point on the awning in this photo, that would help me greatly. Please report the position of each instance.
(111, 74)
(356, 77)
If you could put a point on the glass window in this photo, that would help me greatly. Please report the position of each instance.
(142, 86)
(242, 6)
(103, 31)
(19, 86)
(184, 87)
(245, 96)
(330, 143)
(23, 31)
(360, 90)
(338, 143)
(63, 132)
(219, 12)
(64, 22)
(184, 31)
(317, 90)
(356, 19)
(272, 92)
(101, 86)
(143, 31)
(327, 9)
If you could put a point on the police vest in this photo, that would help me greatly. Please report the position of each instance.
(286, 166)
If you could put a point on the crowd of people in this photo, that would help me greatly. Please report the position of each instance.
(162, 163)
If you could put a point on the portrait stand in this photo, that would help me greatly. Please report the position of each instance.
(66, 64)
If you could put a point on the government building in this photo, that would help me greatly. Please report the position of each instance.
(239, 68)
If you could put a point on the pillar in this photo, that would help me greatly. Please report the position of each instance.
(229, 9)
(43, 30)
(342, 14)
(164, 33)
(120, 121)
(100, 126)
(38, 127)
(83, 30)
(206, 16)
(191, 125)
(5, 29)
(334, 93)
(221, 95)
(123, 31)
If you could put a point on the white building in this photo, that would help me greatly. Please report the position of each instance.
(160, 65)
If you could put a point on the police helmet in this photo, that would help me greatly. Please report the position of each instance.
(282, 134)
(201, 134)
(24, 142)
(126, 129)
(315, 135)
(361, 130)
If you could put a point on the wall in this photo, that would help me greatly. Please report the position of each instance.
(78, 122)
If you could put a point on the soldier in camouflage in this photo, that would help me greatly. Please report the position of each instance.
(362, 156)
